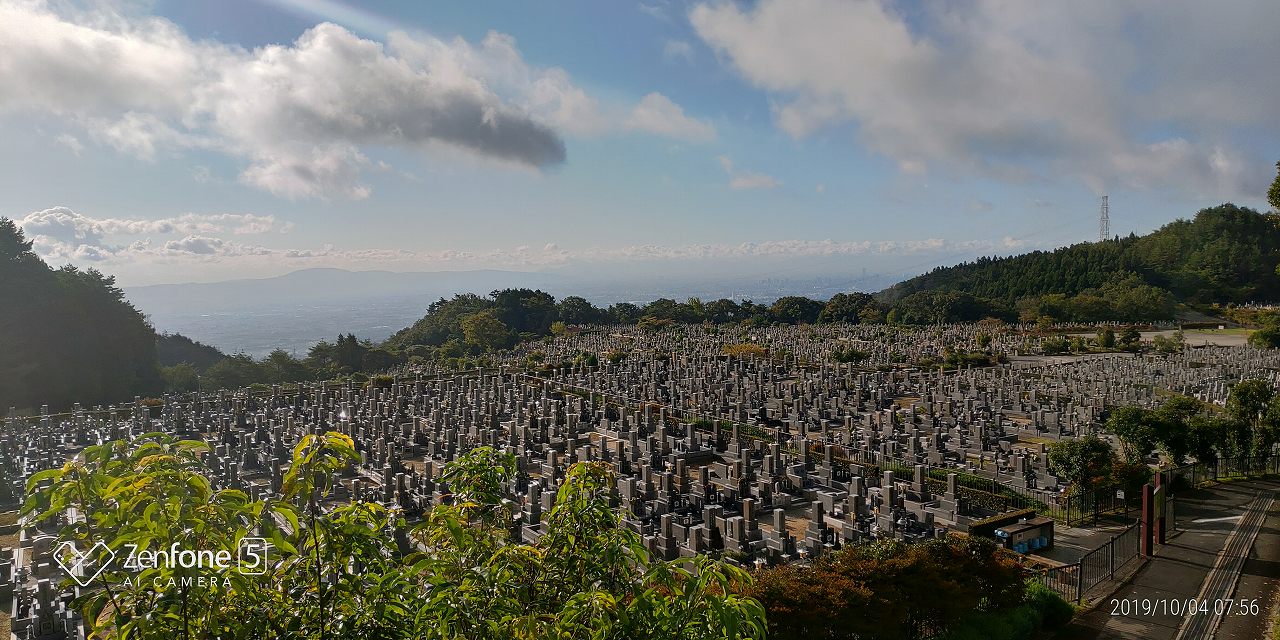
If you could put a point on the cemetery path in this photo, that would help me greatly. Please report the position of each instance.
(1225, 549)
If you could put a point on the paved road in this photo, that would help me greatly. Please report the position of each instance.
(1220, 585)
(1223, 551)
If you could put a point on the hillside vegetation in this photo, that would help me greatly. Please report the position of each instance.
(67, 335)
(71, 336)
(1225, 254)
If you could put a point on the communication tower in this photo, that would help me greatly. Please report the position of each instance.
(1104, 222)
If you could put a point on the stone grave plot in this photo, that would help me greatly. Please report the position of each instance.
(763, 459)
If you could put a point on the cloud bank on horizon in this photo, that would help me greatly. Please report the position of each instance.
(1162, 98)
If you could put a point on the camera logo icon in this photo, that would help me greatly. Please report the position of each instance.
(251, 556)
(83, 566)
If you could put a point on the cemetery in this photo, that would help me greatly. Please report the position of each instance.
(776, 454)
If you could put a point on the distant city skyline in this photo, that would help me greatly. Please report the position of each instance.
(170, 141)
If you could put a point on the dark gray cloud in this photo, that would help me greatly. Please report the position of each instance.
(300, 113)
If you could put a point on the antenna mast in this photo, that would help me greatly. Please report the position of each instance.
(1104, 222)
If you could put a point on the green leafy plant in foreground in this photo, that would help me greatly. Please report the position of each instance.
(356, 569)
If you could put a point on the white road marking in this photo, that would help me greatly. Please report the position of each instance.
(1222, 519)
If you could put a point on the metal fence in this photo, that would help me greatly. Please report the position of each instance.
(1071, 581)
(1195, 475)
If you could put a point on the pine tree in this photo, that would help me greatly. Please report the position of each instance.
(1273, 194)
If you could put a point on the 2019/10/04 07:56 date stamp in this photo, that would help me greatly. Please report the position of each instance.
(1185, 607)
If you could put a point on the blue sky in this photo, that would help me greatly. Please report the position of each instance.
(177, 141)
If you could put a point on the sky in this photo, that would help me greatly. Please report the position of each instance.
(174, 140)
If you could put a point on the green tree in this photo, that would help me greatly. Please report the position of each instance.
(577, 310)
(724, 311)
(1054, 345)
(486, 331)
(1225, 254)
(625, 313)
(150, 493)
(442, 322)
(845, 307)
(232, 372)
(1083, 462)
(889, 590)
(668, 309)
(1273, 194)
(697, 310)
(180, 378)
(587, 577)
(1172, 344)
(68, 335)
(796, 310)
(1106, 338)
(1130, 339)
(1267, 337)
(525, 310)
(871, 314)
(175, 348)
(280, 367)
(1207, 436)
(1175, 418)
(1138, 430)
(1249, 405)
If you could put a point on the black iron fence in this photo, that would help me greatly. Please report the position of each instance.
(1082, 508)
(1195, 475)
(1071, 581)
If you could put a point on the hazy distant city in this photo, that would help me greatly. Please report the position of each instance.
(295, 311)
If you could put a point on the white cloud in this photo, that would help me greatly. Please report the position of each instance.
(302, 112)
(204, 247)
(1022, 90)
(62, 233)
(63, 225)
(302, 115)
(71, 142)
(674, 49)
(90, 63)
(547, 95)
(739, 179)
(657, 10)
(310, 173)
(656, 113)
(299, 113)
(138, 134)
(750, 180)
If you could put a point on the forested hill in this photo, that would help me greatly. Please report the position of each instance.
(1225, 254)
(67, 335)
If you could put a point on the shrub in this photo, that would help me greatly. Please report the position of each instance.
(745, 350)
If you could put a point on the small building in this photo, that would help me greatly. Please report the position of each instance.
(1027, 534)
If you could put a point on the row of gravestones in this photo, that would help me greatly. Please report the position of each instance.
(764, 461)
